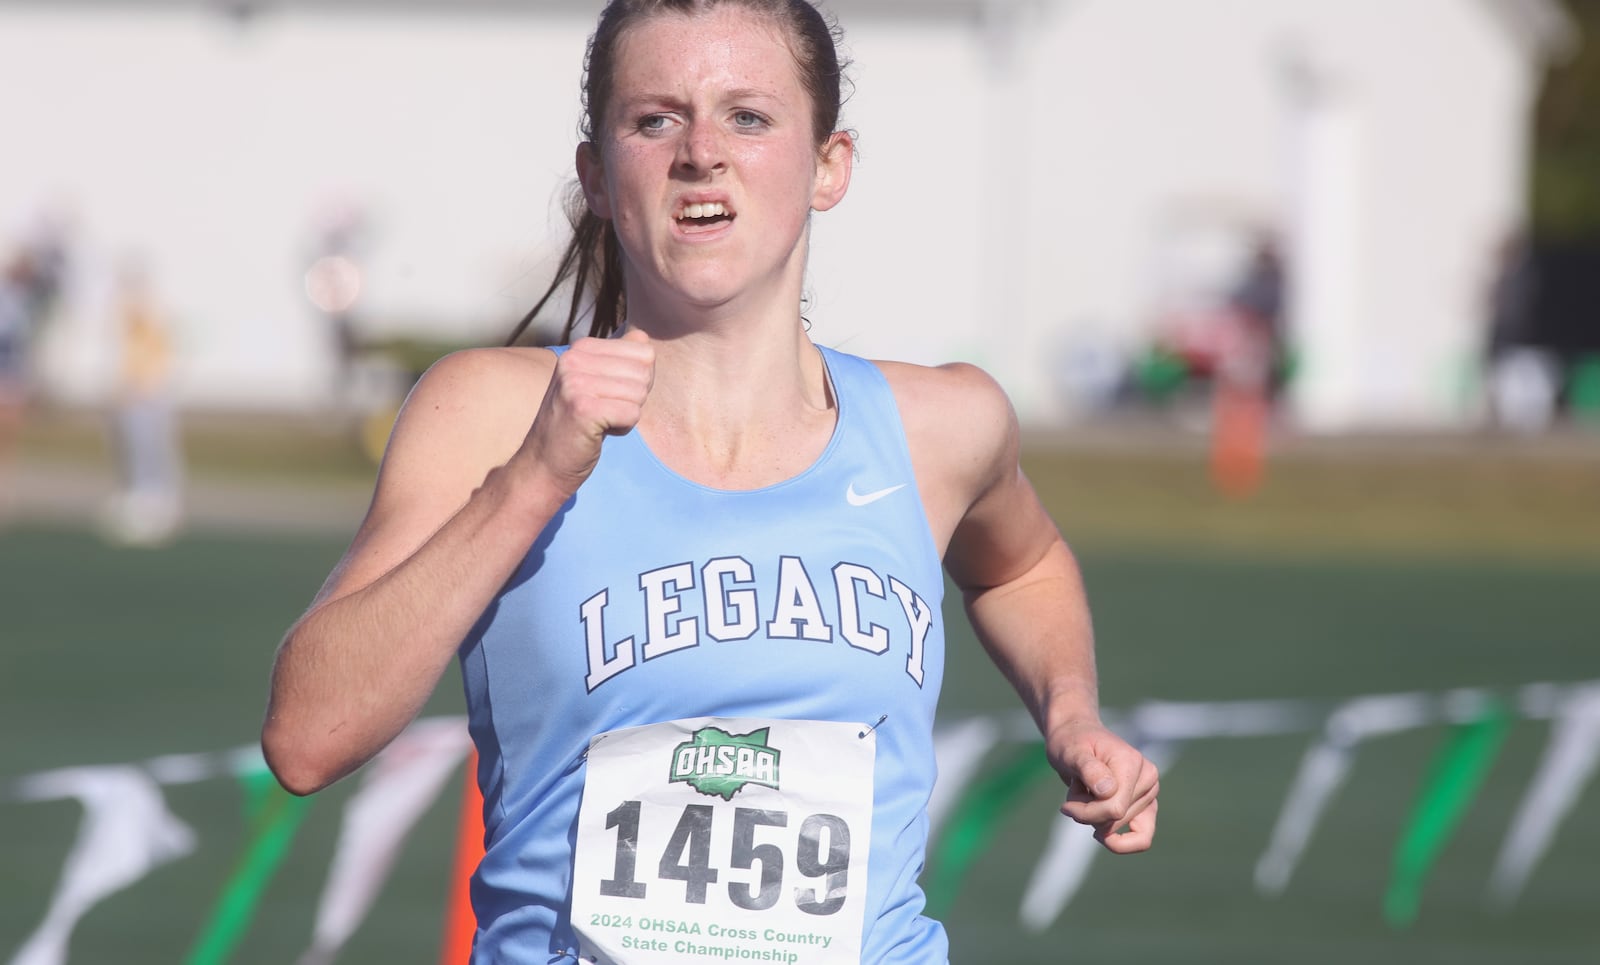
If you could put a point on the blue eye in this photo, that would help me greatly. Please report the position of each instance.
(653, 123)
(748, 119)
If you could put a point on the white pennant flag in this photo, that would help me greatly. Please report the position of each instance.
(1068, 855)
(1323, 770)
(126, 833)
(1569, 761)
(958, 749)
(397, 788)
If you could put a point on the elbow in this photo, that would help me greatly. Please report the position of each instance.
(294, 761)
(297, 784)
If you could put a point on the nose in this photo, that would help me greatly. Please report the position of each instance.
(701, 150)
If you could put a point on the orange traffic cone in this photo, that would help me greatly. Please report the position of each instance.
(460, 925)
(1238, 439)
(1239, 411)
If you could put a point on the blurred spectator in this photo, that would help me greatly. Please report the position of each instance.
(1512, 295)
(15, 322)
(30, 285)
(1522, 379)
(1258, 300)
(148, 509)
(1247, 372)
(1225, 331)
(333, 284)
(31, 280)
(44, 252)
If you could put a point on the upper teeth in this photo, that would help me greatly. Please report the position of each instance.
(708, 210)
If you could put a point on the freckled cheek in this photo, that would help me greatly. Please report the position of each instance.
(771, 163)
(778, 174)
(634, 177)
(634, 199)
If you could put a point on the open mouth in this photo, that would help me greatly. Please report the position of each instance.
(710, 214)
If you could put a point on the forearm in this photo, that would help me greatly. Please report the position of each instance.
(356, 669)
(1037, 630)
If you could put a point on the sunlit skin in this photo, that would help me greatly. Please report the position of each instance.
(717, 375)
(711, 108)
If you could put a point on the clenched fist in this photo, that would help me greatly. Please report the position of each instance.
(1110, 786)
(598, 389)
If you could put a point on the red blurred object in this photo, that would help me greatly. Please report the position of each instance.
(460, 924)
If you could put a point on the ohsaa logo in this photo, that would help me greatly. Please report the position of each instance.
(717, 763)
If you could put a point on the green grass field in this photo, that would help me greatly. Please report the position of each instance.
(1343, 578)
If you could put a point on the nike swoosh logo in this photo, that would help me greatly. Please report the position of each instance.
(862, 499)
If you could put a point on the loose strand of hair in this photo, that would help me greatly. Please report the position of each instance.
(571, 259)
(610, 302)
(578, 261)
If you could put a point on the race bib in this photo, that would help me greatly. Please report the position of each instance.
(721, 839)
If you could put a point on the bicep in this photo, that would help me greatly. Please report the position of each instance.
(1002, 537)
(1004, 531)
(441, 447)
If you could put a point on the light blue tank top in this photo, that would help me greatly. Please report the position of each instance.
(700, 602)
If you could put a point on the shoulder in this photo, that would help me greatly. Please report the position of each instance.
(467, 414)
(490, 384)
(471, 375)
(962, 433)
(956, 388)
(957, 406)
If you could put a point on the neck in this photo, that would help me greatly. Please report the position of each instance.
(738, 406)
(725, 379)
(726, 365)
(741, 396)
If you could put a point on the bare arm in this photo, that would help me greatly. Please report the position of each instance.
(465, 488)
(1023, 593)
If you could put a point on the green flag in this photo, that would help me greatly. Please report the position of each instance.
(274, 815)
(1458, 771)
(975, 820)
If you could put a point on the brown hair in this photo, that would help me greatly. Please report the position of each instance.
(593, 258)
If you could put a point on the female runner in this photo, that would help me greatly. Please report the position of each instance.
(691, 566)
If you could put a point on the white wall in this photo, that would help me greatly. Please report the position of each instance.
(212, 152)
(1141, 128)
(896, 269)
(1023, 173)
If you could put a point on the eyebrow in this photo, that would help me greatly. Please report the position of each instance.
(740, 94)
(745, 93)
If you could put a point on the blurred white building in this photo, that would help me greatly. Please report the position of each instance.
(1039, 180)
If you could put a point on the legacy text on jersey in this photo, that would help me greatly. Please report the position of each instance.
(728, 608)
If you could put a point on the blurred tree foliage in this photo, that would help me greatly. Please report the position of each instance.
(1566, 161)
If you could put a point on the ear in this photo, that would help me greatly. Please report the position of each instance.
(833, 170)
(593, 178)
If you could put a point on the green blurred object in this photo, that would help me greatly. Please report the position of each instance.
(1453, 782)
(973, 823)
(275, 816)
(1565, 194)
(1160, 374)
(1583, 390)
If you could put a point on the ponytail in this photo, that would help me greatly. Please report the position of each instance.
(593, 264)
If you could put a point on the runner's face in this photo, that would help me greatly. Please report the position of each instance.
(706, 163)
